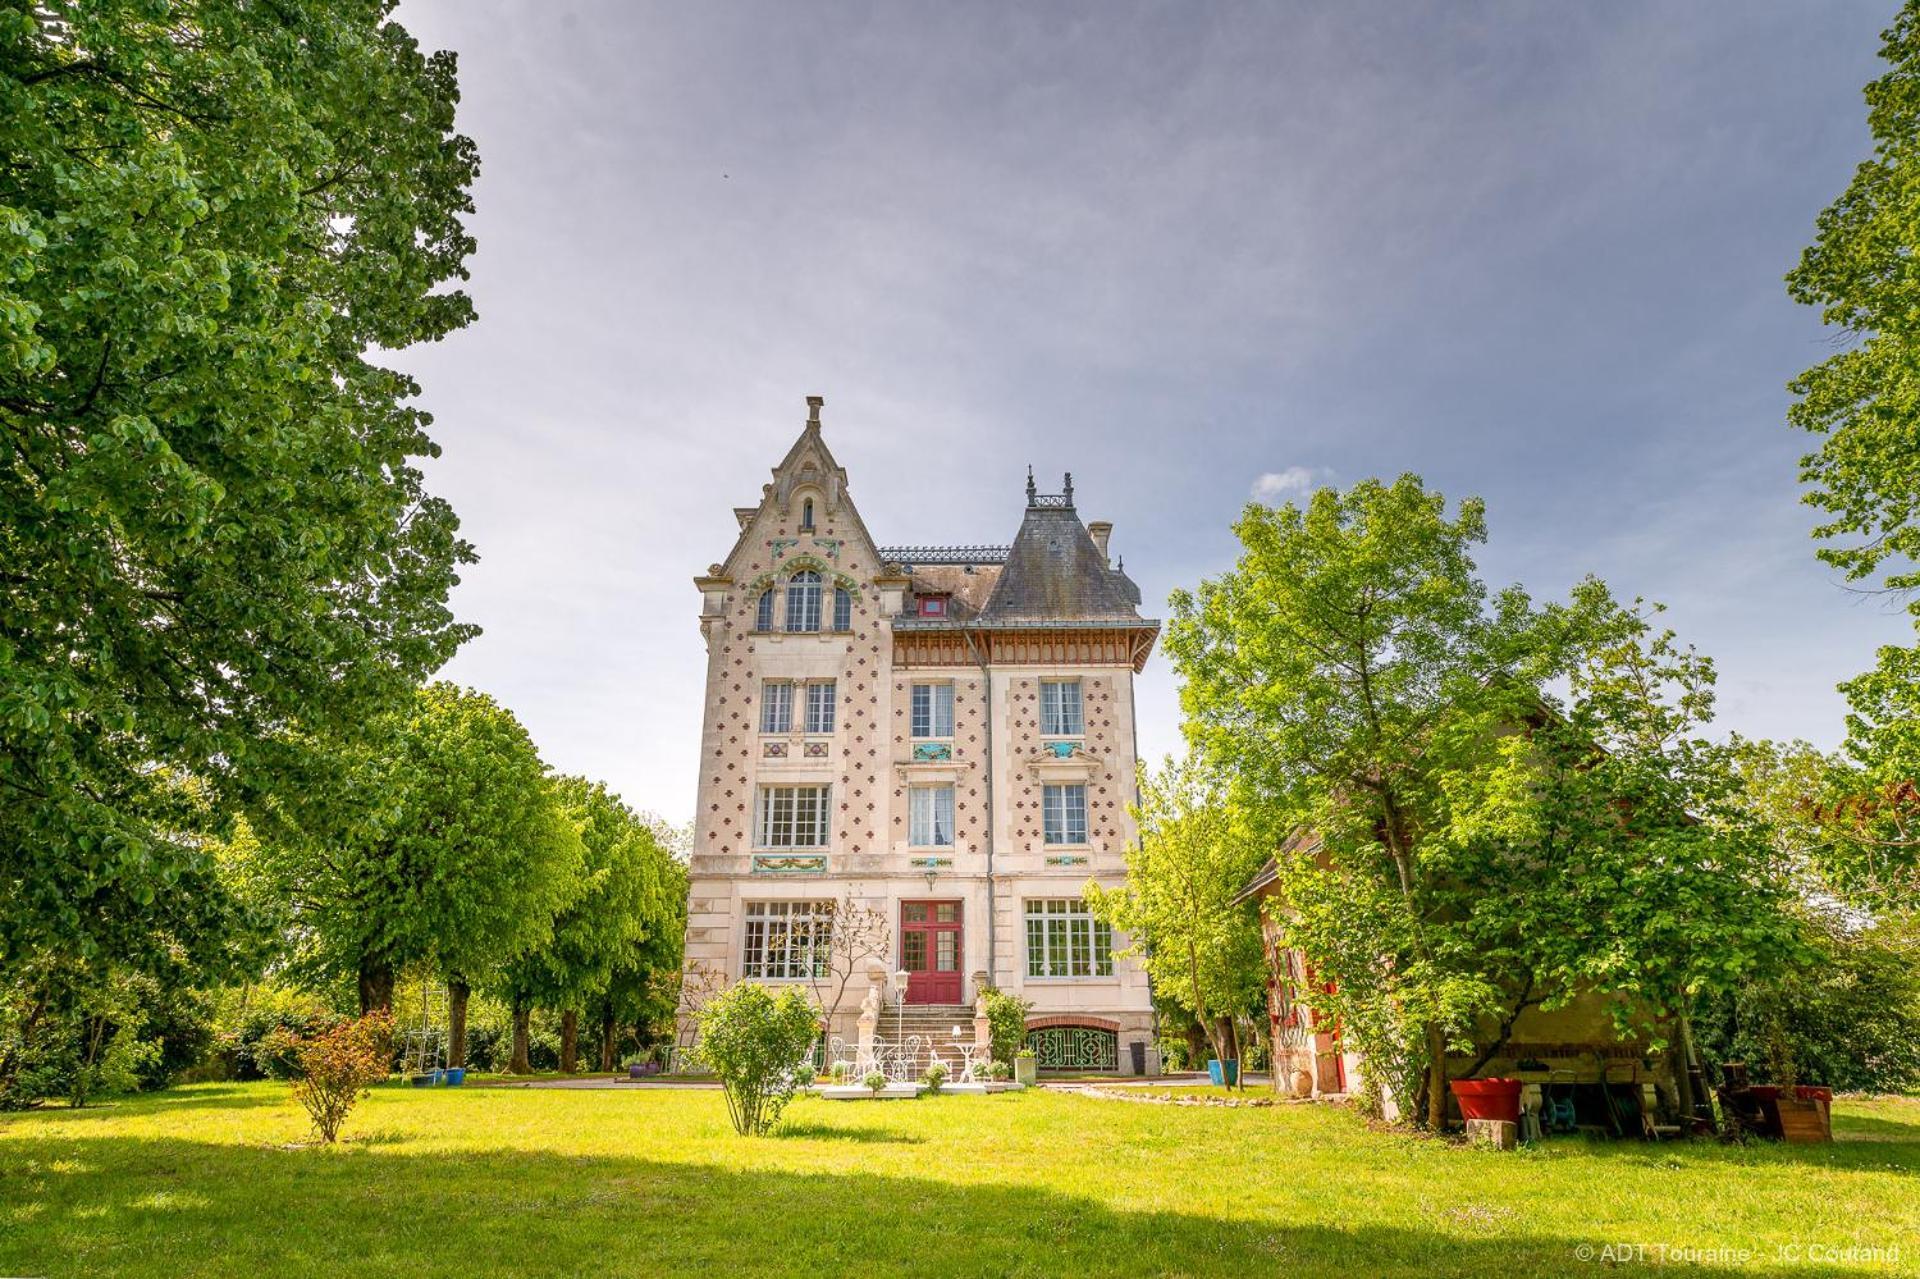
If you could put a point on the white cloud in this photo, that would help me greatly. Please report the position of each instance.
(1274, 485)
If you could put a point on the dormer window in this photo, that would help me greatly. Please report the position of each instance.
(933, 606)
(806, 516)
(803, 601)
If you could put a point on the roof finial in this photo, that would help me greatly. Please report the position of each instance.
(1068, 494)
(813, 409)
(1032, 496)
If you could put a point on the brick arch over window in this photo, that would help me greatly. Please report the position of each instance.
(1073, 1019)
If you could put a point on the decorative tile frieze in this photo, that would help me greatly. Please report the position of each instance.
(774, 750)
(789, 863)
(928, 752)
(1067, 859)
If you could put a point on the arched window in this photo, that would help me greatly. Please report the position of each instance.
(842, 609)
(763, 615)
(803, 601)
(806, 515)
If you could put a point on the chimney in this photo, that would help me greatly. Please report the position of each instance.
(1101, 530)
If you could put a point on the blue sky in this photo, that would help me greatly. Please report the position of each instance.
(1193, 253)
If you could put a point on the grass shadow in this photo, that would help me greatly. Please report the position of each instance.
(140, 1207)
(231, 1096)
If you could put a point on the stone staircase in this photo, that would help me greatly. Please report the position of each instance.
(932, 1023)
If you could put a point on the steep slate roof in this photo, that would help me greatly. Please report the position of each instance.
(1054, 572)
(967, 589)
(1051, 575)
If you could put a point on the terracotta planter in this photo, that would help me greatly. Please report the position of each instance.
(1303, 1083)
(1488, 1098)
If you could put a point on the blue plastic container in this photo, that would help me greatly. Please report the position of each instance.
(1223, 1072)
(455, 1075)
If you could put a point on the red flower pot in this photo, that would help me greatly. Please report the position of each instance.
(1488, 1098)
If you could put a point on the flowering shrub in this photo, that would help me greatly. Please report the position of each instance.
(334, 1068)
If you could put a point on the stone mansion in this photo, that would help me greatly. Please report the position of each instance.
(944, 732)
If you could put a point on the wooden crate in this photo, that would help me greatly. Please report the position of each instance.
(1804, 1121)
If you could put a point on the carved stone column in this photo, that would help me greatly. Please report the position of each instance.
(982, 1028)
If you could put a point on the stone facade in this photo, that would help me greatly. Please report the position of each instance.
(1002, 628)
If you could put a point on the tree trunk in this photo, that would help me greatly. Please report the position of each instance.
(457, 994)
(522, 1015)
(376, 985)
(609, 1041)
(1401, 849)
(1197, 1046)
(1436, 1078)
(569, 1042)
(1683, 1078)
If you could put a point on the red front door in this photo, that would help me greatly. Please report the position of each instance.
(930, 951)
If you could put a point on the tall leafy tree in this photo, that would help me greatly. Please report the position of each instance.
(1610, 846)
(435, 837)
(1465, 845)
(212, 523)
(624, 897)
(1316, 672)
(643, 989)
(1194, 856)
(1864, 402)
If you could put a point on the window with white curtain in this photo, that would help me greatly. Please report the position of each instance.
(1063, 813)
(932, 710)
(776, 707)
(930, 816)
(820, 706)
(803, 601)
(1060, 714)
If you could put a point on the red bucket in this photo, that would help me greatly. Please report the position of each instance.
(1488, 1098)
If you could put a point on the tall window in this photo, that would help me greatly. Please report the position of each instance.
(787, 939)
(793, 816)
(930, 817)
(842, 609)
(1065, 940)
(803, 601)
(1063, 814)
(1060, 708)
(776, 707)
(763, 612)
(933, 710)
(806, 515)
(820, 702)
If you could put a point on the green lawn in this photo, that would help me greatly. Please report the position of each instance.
(212, 1179)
